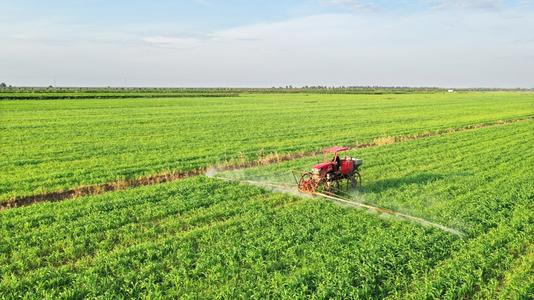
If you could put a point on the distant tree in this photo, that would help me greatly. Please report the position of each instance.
(3, 85)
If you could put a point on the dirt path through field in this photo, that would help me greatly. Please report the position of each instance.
(177, 175)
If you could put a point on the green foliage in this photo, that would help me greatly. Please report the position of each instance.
(51, 145)
(466, 180)
(204, 238)
(111, 95)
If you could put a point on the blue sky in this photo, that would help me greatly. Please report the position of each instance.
(449, 43)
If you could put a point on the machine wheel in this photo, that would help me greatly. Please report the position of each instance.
(355, 179)
(335, 185)
(358, 178)
(307, 184)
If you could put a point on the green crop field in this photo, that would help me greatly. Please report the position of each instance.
(461, 160)
(434, 178)
(52, 145)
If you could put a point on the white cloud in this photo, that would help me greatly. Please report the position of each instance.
(354, 5)
(436, 48)
(468, 4)
(173, 42)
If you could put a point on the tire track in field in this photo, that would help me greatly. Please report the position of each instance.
(101, 188)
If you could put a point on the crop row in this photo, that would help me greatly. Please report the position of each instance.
(37, 92)
(469, 180)
(479, 181)
(202, 237)
(482, 268)
(55, 145)
(80, 96)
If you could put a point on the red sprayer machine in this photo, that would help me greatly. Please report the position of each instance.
(331, 172)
